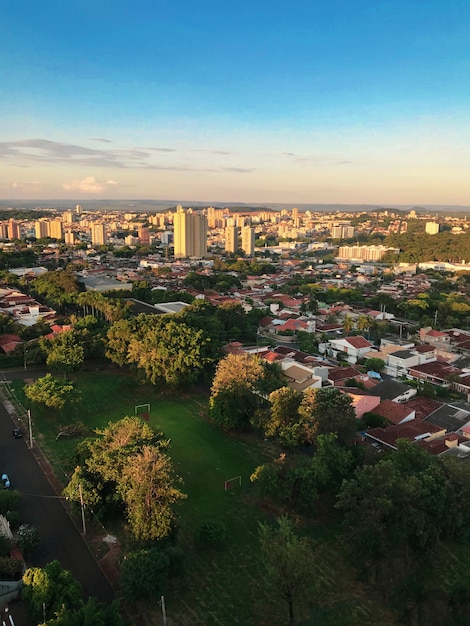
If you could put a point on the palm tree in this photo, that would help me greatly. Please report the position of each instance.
(364, 323)
(347, 324)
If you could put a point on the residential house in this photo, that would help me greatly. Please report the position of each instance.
(355, 348)
(395, 412)
(414, 430)
(361, 400)
(437, 372)
(433, 337)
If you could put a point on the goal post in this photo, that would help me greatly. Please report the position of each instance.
(143, 411)
(233, 482)
(146, 408)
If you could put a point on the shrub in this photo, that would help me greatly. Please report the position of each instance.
(9, 500)
(5, 546)
(27, 539)
(210, 535)
(14, 518)
(11, 569)
(144, 573)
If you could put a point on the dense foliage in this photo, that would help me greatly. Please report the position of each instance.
(127, 466)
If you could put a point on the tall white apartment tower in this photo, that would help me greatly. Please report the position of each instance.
(190, 233)
(98, 235)
(248, 240)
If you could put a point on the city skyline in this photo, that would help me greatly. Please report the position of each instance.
(347, 103)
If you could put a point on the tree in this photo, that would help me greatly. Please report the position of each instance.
(376, 365)
(53, 392)
(327, 410)
(233, 319)
(51, 589)
(171, 351)
(90, 613)
(119, 337)
(409, 501)
(127, 465)
(347, 324)
(363, 323)
(64, 352)
(331, 463)
(233, 401)
(148, 488)
(284, 416)
(144, 573)
(237, 369)
(289, 561)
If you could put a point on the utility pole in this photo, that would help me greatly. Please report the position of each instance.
(83, 508)
(30, 430)
(162, 602)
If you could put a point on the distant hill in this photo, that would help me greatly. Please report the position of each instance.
(149, 205)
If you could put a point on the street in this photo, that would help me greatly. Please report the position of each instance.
(42, 508)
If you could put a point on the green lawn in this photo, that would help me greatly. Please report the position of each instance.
(225, 587)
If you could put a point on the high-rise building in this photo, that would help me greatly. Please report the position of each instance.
(432, 228)
(342, 231)
(70, 238)
(231, 238)
(190, 230)
(56, 230)
(295, 217)
(144, 235)
(41, 229)
(211, 217)
(14, 231)
(98, 235)
(3, 230)
(78, 209)
(69, 217)
(248, 240)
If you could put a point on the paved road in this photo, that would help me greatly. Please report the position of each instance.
(40, 507)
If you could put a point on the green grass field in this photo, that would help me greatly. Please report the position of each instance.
(224, 587)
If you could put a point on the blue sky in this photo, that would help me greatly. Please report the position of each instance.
(343, 101)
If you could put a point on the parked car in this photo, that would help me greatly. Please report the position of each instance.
(17, 433)
(5, 481)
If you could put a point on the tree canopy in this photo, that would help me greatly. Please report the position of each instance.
(289, 562)
(64, 352)
(53, 392)
(236, 391)
(127, 463)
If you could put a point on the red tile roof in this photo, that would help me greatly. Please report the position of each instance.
(358, 342)
(341, 373)
(425, 347)
(412, 431)
(7, 338)
(423, 406)
(393, 411)
(435, 333)
(438, 369)
(293, 325)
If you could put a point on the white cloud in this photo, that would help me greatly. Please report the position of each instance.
(32, 185)
(90, 184)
